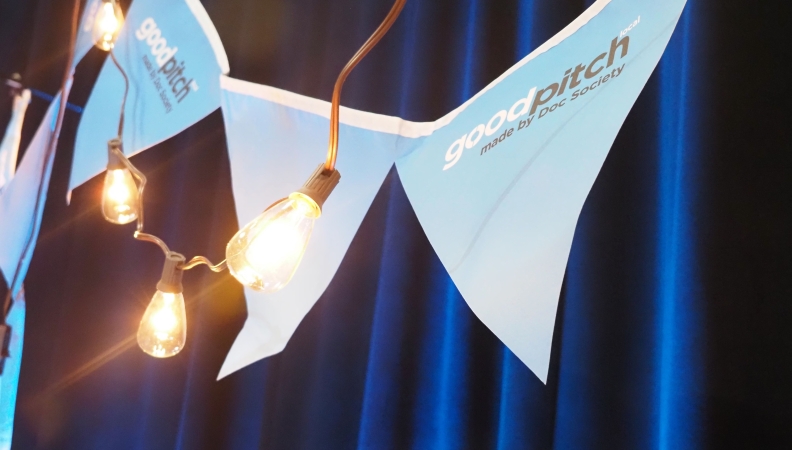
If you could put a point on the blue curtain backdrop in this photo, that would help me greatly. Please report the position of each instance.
(675, 323)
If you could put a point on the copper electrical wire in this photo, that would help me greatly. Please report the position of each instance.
(198, 260)
(332, 150)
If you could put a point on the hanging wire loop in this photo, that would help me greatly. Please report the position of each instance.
(332, 150)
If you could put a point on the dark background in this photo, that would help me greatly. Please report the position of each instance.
(675, 323)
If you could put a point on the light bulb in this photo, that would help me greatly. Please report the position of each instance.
(107, 24)
(120, 200)
(265, 254)
(163, 330)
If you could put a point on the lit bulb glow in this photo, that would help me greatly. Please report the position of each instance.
(120, 197)
(265, 254)
(107, 24)
(163, 329)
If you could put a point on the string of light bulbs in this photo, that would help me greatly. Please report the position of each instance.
(263, 255)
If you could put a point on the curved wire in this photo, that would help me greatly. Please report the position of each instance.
(139, 234)
(198, 260)
(332, 147)
(126, 93)
(154, 240)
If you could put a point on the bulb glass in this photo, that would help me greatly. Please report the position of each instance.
(120, 199)
(163, 329)
(107, 25)
(265, 254)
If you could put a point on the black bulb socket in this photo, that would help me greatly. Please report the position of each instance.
(320, 185)
(171, 281)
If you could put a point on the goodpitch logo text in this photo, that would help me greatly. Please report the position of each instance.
(576, 82)
(175, 82)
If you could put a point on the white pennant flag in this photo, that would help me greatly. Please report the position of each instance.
(9, 147)
(173, 57)
(497, 184)
(276, 139)
(499, 189)
(18, 219)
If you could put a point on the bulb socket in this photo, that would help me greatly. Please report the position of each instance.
(171, 281)
(113, 161)
(320, 184)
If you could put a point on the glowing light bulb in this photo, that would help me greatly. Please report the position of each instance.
(107, 24)
(163, 330)
(120, 200)
(265, 254)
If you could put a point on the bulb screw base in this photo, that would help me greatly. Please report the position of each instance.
(113, 161)
(171, 281)
(320, 184)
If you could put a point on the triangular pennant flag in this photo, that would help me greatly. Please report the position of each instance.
(9, 147)
(497, 184)
(276, 139)
(499, 189)
(173, 57)
(19, 220)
